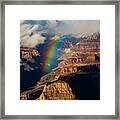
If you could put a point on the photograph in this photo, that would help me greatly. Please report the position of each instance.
(59, 59)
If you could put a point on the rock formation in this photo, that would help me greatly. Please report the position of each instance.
(59, 90)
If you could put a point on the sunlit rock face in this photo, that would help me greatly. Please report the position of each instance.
(28, 58)
(59, 90)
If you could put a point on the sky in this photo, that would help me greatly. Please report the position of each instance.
(31, 31)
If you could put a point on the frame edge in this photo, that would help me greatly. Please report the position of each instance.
(117, 23)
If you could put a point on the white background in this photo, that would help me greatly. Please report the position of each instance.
(104, 13)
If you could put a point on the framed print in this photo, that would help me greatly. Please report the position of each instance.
(60, 60)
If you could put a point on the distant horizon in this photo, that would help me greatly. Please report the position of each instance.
(33, 32)
(82, 26)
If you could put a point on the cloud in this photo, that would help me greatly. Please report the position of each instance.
(27, 29)
(32, 41)
(78, 26)
(29, 36)
(31, 31)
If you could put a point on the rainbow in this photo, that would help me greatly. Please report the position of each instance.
(50, 52)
